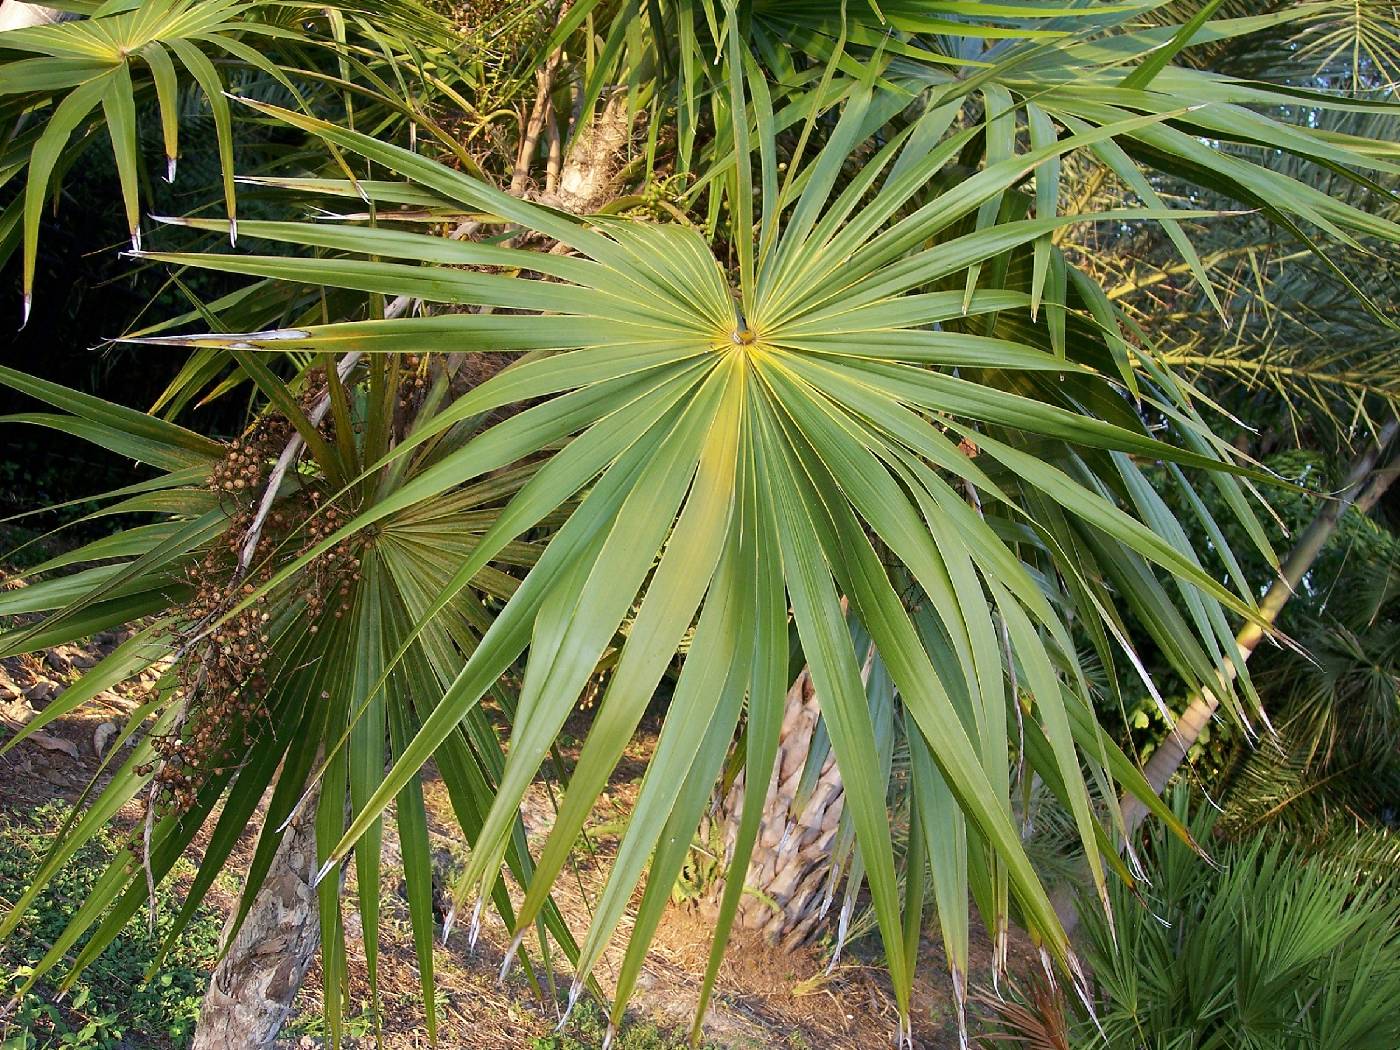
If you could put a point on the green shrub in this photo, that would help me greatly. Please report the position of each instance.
(1268, 950)
(111, 1006)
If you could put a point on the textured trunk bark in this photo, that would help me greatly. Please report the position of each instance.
(585, 179)
(254, 984)
(16, 15)
(1364, 486)
(789, 876)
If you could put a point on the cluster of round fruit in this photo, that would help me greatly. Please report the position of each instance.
(245, 468)
(222, 678)
(662, 199)
(235, 619)
(330, 577)
(413, 387)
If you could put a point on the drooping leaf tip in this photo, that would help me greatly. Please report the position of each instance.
(575, 990)
(475, 930)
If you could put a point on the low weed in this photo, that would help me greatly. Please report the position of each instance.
(111, 1007)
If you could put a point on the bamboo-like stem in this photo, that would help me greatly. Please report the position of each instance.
(544, 84)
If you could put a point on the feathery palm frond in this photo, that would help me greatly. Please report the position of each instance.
(1343, 43)
(1292, 331)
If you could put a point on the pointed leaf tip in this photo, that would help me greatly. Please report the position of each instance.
(475, 931)
(510, 955)
(325, 870)
(575, 990)
(447, 923)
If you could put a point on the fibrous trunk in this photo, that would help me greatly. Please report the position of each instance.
(791, 879)
(585, 181)
(251, 991)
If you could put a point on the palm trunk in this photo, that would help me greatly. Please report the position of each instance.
(1364, 486)
(251, 991)
(789, 876)
(584, 181)
(17, 15)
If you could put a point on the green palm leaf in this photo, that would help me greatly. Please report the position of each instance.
(824, 403)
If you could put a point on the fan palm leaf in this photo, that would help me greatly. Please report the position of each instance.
(825, 390)
(869, 405)
(96, 74)
(246, 705)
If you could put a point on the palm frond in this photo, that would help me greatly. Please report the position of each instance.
(812, 393)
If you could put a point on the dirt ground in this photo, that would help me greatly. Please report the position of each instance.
(765, 998)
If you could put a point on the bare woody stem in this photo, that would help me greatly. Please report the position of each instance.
(544, 84)
(284, 463)
(251, 990)
(1363, 487)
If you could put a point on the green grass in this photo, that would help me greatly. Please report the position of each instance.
(589, 1025)
(111, 1006)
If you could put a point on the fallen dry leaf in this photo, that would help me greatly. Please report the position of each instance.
(55, 743)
